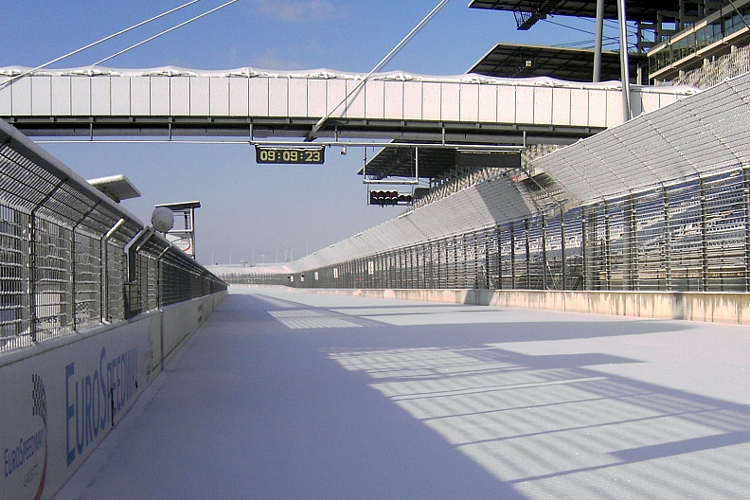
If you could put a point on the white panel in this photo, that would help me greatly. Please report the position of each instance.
(487, 103)
(614, 108)
(506, 103)
(199, 96)
(524, 104)
(120, 95)
(356, 108)
(298, 97)
(180, 96)
(219, 92)
(89, 358)
(140, 95)
(40, 95)
(636, 105)
(561, 106)
(650, 101)
(101, 102)
(666, 99)
(394, 100)
(543, 105)
(60, 95)
(80, 88)
(412, 100)
(239, 96)
(336, 94)
(5, 99)
(278, 92)
(431, 101)
(374, 107)
(597, 108)
(579, 107)
(160, 95)
(316, 101)
(469, 104)
(450, 102)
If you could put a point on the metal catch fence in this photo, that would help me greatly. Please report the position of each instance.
(71, 258)
(689, 235)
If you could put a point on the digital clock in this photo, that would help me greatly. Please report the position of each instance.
(290, 155)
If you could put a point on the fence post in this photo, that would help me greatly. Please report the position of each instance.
(746, 199)
(33, 317)
(667, 240)
(528, 257)
(704, 237)
(73, 256)
(512, 257)
(105, 267)
(632, 240)
(585, 274)
(31, 260)
(564, 263)
(607, 247)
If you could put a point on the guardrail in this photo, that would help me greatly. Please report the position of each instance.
(71, 258)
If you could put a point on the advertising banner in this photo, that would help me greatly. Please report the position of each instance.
(57, 406)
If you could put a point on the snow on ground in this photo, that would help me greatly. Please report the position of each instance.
(288, 395)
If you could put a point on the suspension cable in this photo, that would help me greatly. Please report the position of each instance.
(380, 65)
(53, 61)
(164, 32)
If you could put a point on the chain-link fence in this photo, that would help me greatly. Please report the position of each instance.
(70, 258)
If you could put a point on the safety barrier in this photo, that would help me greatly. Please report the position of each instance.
(71, 258)
(92, 306)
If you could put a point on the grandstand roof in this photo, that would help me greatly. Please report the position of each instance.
(637, 10)
(401, 162)
(434, 162)
(512, 60)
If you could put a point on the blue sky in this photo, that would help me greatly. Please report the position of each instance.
(250, 209)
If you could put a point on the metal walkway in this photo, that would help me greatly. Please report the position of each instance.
(291, 395)
(250, 103)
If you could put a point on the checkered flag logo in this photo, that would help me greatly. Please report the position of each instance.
(40, 398)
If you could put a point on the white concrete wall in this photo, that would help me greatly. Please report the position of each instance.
(714, 307)
(59, 399)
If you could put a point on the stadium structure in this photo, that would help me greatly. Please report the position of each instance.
(660, 202)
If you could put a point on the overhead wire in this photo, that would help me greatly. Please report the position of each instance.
(142, 42)
(610, 40)
(58, 59)
(380, 65)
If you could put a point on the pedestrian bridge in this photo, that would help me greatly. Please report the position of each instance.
(252, 103)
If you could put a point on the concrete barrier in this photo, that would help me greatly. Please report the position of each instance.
(60, 398)
(716, 307)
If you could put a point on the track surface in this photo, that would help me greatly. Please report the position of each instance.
(288, 395)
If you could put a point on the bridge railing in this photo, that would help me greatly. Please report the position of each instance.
(71, 258)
